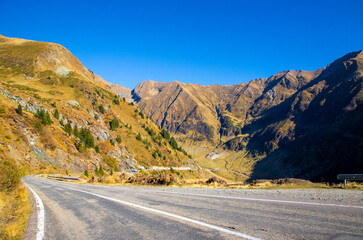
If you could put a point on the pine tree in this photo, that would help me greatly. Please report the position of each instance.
(75, 131)
(56, 114)
(68, 128)
(138, 137)
(173, 143)
(100, 171)
(165, 134)
(97, 149)
(19, 110)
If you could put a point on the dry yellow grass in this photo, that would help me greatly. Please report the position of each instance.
(197, 179)
(14, 213)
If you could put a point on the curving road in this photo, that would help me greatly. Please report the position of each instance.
(76, 211)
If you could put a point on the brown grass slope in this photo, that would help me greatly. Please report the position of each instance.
(70, 119)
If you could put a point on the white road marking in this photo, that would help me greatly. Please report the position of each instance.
(260, 199)
(41, 215)
(238, 234)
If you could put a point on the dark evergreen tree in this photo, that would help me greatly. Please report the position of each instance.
(101, 108)
(97, 149)
(165, 134)
(19, 110)
(114, 123)
(75, 131)
(68, 128)
(56, 114)
(173, 143)
(138, 137)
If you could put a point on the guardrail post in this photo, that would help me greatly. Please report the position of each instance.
(345, 182)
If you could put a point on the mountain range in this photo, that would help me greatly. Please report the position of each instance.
(57, 114)
(303, 124)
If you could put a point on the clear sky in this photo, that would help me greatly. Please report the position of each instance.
(205, 42)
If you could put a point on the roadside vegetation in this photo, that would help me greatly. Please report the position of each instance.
(14, 203)
(197, 178)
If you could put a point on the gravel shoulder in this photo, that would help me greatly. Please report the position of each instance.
(311, 195)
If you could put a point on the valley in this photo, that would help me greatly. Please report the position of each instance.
(303, 124)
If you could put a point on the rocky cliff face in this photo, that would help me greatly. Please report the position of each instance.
(57, 114)
(286, 123)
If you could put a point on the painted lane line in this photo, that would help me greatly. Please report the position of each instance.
(41, 215)
(255, 199)
(261, 199)
(238, 234)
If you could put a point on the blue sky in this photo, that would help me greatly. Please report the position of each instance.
(204, 42)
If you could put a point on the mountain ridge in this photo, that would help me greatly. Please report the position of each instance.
(256, 118)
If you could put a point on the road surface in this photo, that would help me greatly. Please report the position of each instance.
(77, 211)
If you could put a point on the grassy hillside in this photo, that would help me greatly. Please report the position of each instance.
(56, 114)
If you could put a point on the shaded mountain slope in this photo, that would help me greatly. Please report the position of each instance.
(327, 137)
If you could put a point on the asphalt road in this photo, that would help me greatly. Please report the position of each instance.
(76, 211)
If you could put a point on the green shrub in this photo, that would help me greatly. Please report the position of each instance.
(142, 115)
(150, 131)
(138, 137)
(116, 100)
(86, 173)
(101, 108)
(114, 123)
(38, 126)
(11, 174)
(97, 149)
